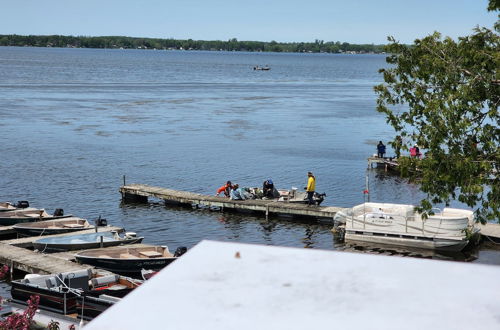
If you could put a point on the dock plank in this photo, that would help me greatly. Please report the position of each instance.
(34, 262)
(264, 206)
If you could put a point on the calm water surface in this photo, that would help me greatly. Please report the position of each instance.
(74, 121)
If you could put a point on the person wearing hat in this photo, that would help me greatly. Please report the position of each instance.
(268, 188)
(311, 186)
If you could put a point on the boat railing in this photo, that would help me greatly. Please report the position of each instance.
(436, 210)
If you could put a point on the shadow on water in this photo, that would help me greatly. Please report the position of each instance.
(467, 255)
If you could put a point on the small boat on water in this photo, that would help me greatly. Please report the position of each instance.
(129, 260)
(398, 224)
(82, 291)
(51, 227)
(7, 206)
(8, 218)
(84, 241)
(262, 68)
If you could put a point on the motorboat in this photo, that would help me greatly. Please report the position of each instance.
(129, 260)
(85, 241)
(399, 224)
(8, 218)
(295, 196)
(7, 206)
(51, 227)
(262, 68)
(82, 291)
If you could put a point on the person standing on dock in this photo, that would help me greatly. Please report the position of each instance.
(311, 186)
(380, 149)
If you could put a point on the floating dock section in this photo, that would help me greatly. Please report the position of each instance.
(141, 192)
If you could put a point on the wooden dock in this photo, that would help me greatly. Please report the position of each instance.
(141, 192)
(14, 254)
(491, 232)
(387, 163)
(34, 262)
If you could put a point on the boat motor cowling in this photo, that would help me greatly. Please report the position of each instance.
(58, 212)
(180, 251)
(22, 204)
(101, 222)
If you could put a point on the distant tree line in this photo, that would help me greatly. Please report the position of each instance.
(318, 46)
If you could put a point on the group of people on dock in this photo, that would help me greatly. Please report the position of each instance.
(414, 151)
(269, 191)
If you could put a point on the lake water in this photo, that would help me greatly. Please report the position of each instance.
(74, 121)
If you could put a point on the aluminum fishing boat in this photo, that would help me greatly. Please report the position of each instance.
(7, 206)
(9, 218)
(398, 224)
(82, 291)
(51, 227)
(129, 260)
(84, 241)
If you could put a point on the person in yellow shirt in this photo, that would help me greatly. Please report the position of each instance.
(311, 186)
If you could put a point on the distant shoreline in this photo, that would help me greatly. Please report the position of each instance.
(117, 42)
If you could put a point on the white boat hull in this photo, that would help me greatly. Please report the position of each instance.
(398, 224)
(412, 242)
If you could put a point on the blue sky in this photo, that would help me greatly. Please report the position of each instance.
(353, 21)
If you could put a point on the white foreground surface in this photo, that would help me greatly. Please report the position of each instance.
(218, 286)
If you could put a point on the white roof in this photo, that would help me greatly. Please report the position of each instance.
(217, 286)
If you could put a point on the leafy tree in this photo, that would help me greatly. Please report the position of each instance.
(443, 95)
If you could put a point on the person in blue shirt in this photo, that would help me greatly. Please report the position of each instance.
(268, 188)
(380, 149)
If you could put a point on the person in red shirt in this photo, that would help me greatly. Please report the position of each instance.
(224, 189)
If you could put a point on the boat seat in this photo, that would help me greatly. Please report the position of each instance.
(73, 225)
(150, 254)
(117, 287)
(127, 256)
(38, 281)
(104, 280)
(78, 279)
(52, 282)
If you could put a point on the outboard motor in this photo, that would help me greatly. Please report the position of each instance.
(180, 251)
(58, 212)
(22, 204)
(101, 222)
